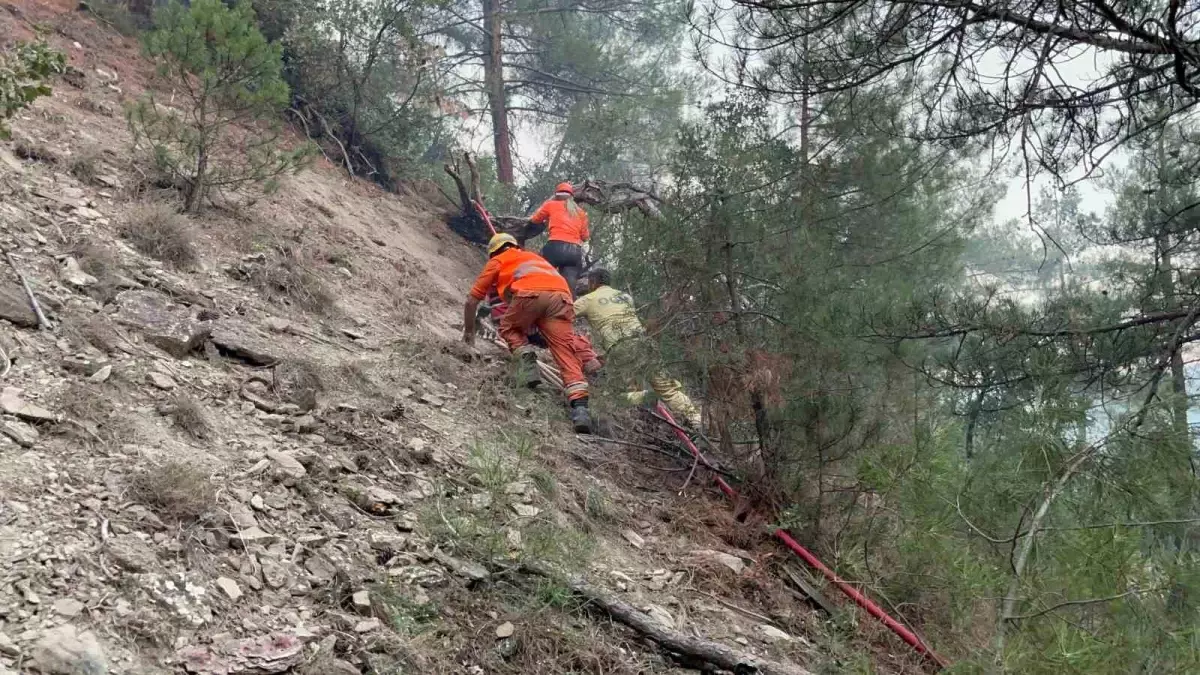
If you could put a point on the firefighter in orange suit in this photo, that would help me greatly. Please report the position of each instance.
(567, 223)
(537, 295)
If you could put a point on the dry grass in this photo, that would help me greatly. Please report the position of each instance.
(101, 262)
(85, 407)
(35, 150)
(287, 277)
(157, 230)
(96, 259)
(188, 415)
(174, 490)
(95, 105)
(85, 165)
(299, 382)
(548, 639)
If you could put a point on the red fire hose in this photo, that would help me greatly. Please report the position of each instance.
(487, 220)
(853, 593)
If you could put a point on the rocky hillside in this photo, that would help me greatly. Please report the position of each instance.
(250, 442)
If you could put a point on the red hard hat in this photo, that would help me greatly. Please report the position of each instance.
(565, 187)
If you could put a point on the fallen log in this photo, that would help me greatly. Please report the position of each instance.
(689, 648)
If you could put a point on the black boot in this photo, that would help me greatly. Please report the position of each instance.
(533, 378)
(580, 418)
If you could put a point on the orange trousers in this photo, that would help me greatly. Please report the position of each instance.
(554, 315)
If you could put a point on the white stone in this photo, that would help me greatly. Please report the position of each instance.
(230, 587)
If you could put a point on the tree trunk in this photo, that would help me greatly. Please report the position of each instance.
(762, 424)
(1179, 399)
(195, 191)
(493, 73)
(973, 421)
(1179, 402)
(806, 186)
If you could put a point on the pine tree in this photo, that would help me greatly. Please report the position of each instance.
(228, 77)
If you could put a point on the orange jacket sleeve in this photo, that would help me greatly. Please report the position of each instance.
(584, 233)
(486, 280)
(541, 216)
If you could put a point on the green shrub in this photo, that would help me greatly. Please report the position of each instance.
(227, 77)
(23, 74)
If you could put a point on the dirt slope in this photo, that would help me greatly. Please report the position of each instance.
(281, 460)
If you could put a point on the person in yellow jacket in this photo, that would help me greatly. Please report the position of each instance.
(617, 330)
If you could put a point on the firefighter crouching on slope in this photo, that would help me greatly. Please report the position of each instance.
(537, 295)
(616, 327)
(568, 226)
(495, 308)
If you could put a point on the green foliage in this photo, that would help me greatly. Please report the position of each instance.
(227, 78)
(23, 73)
(482, 524)
(405, 615)
(361, 81)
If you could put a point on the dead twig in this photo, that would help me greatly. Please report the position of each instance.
(688, 481)
(740, 610)
(43, 322)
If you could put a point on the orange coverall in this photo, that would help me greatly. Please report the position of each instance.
(537, 295)
(584, 350)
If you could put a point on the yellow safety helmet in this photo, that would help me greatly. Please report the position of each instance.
(499, 240)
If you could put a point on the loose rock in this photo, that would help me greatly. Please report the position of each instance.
(160, 381)
(320, 568)
(432, 400)
(8, 647)
(505, 630)
(661, 615)
(244, 341)
(274, 653)
(131, 553)
(68, 607)
(288, 465)
(734, 563)
(14, 306)
(367, 626)
(74, 275)
(252, 536)
(241, 517)
(21, 433)
(387, 543)
(12, 403)
(362, 602)
(525, 510)
(165, 324)
(771, 634)
(463, 568)
(63, 651)
(230, 587)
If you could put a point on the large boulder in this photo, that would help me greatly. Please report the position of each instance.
(242, 340)
(14, 306)
(166, 325)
